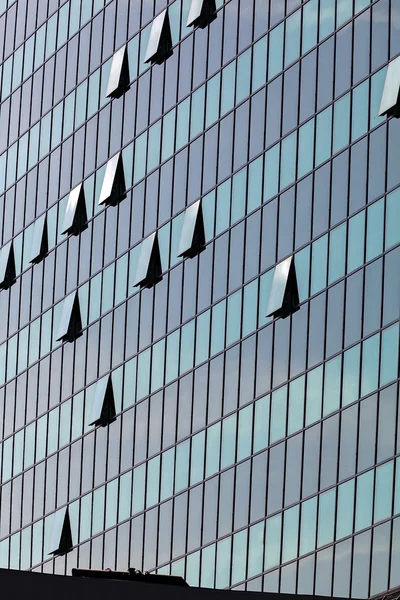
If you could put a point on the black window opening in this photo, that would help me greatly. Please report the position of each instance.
(61, 535)
(119, 78)
(193, 239)
(75, 219)
(40, 240)
(7, 266)
(159, 46)
(202, 13)
(70, 326)
(149, 269)
(103, 408)
(284, 296)
(113, 189)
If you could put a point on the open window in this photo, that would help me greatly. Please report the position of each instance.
(202, 13)
(40, 241)
(7, 266)
(149, 269)
(159, 47)
(390, 102)
(70, 326)
(193, 238)
(284, 295)
(61, 535)
(113, 189)
(103, 408)
(119, 78)
(75, 219)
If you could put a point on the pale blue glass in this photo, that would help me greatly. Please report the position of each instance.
(323, 136)
(157, 365)
(239, 187)
(218, 328)
(223, 207)
(33, 145)
(7, 459)
(296, 405)
(95, 298)
(168, 135)
(3, 171)
(29, 55)
(319, 264)
(314, 395)
(302, 262)
(98, 510)
(383, 492)
(3, 362)
(125, 496)
(154, 146)
(345, 509)
(377, 85)
(167, 474)
(121, 279)
(292, 37)
(52, 432)
(275, 59)
(37, 542)
(337, 253)
(74, 17)
(234, 317)
(308, 528)
(306, 148)
(351, 370)
(41, 434)
(310, 25)
(56, 132)
(370, 365)
(261, 423)
(326, 518)
(228, 88)
(223, 563)
(228, 444)
(278, 414)
(182, 466)
(18, 452)
(104, 75)
(288, 160)
(197, 461)
(94, 93)
(17, 67)
(213, 449)
(208, 207)
(245, 429)
(271, 172)
(107, 296)
(255, 190)
(45, 136)
(65, 423)
(256, 547)
(187, 347)
(143, 374)
(138, 489)
(139, 170)
(34, 342)
(265, 290)
(359, 120)
(212, 99)
(176, 230)
(172, 356)
(85, 517)
(197, 112)
(62, 34)
(15, 551)
(175, 21)
(272, 548)
(182, 124)
(341, 123)
(111, 503)
(40, 44)
(290, 533)
(4, 553)
(250, 300)
(208, 566)
(326, 18)
(239, 557)
(77, 416)
(164, 236)
(392, 231)
(243, 75)
(333, 369)
(364, 498)
(356, 239)
(133, 56)
(360, 4)
(12, 164)
(51, 36)
(375, 222)
(344, 12)
(260, 50)
(203, 337)
(25, 552)
(389, 354)
(6, 80)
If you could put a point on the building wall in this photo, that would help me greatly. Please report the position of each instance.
(247, 452)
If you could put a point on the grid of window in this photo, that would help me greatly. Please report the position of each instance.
(173, 426)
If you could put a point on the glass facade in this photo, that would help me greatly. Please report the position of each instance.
(151, 414)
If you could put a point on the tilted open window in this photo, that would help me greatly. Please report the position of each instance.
(149, 269)
(119, 78)
(75, 219)
(7, 266)
(103, 408)
(113, 189)
(61, 535)
(159, 47)
(193, 237)
(284, 295)
(390, 103)
(202, 13)
(40, 240)
(70, 326)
